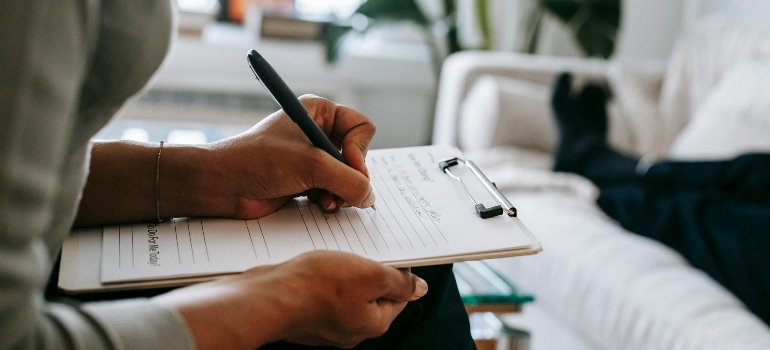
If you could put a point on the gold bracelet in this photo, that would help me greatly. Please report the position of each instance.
(157, 184)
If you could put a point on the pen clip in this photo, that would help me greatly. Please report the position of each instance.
(262, 83)
(253, 71)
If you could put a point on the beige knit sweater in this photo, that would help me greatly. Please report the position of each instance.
(66, 67)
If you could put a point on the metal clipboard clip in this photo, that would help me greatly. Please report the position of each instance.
(482, 211)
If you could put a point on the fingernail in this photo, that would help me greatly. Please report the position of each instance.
(421, 289)
(331, 206)
(370, 198)
(345, 204)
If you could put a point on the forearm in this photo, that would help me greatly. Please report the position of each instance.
(246, 176)
(122, 178)
(210, 310)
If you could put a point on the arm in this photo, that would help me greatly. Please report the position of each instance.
(246, 176)
(321, 298)
(44, 55)
(39, 97)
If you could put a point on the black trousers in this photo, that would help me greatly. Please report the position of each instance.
(716, 214)
(435, 321)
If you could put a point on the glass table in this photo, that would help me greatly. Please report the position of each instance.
(487, 294)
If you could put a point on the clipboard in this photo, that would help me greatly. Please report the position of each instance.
(83, 258)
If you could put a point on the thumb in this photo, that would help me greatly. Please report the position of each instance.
(402, 285)
(344, 181)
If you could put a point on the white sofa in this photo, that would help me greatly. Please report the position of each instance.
(616, 289)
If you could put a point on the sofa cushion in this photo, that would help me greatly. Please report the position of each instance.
(623, 291)
(502, 111)
(734, 119)
(634, 126)
(700, 59)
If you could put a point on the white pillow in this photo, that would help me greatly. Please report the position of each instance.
(502, 111)
(701, 59)
(733, 120)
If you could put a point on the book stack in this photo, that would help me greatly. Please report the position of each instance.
(284, 25)
(280, 26)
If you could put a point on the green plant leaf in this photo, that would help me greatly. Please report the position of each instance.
(396, 10)
(594, 23)
(378, 10)
(482, 7)
(532, 27)
(333, 37)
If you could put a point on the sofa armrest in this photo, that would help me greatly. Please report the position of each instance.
(461, 70)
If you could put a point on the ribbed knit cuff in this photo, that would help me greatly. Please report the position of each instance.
(141, 324)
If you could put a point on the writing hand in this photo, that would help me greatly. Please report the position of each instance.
(247, 176)
(319, 298)
(255, 173)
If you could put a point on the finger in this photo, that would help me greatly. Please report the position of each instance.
(312, 194)
(348, 128)
(259, 208)
(403, 286)
(337, 141)
(325, 199)
(390, 309)
(356, 132)
(349, 184)
(328, 201)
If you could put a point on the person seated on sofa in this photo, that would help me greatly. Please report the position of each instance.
(714, 213)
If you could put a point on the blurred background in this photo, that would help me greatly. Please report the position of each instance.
(205, 90)
(380, 57)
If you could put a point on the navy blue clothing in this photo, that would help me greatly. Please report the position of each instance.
(716, 214)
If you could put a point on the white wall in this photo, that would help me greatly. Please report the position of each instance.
(649, 29)
(752, 12)
(391, 83)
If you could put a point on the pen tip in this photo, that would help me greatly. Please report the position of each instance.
(373, 207)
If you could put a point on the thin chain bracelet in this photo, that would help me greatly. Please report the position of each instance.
(157, 184)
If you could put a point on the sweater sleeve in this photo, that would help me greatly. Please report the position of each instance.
(126, 324)
(46, 52)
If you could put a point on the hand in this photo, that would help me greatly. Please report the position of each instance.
(319, 298)
(253, 174)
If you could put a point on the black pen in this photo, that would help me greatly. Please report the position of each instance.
(282, 94)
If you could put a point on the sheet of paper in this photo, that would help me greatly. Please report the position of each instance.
(420, 213)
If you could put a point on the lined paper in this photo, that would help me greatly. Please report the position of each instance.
(421, 213)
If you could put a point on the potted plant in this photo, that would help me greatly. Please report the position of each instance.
(593, 23)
